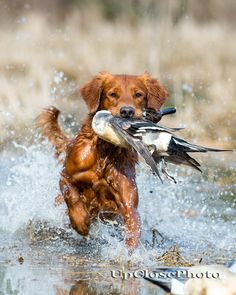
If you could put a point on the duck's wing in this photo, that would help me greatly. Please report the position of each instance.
(120, 126)
(138, 128)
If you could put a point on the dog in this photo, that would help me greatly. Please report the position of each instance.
(98, 176)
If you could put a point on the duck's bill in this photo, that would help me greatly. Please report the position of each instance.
(168, 111)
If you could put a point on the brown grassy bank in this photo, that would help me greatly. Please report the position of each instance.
(43, 63)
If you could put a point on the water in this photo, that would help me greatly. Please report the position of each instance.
(41, 254)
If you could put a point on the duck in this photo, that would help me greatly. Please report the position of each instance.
(156, 144)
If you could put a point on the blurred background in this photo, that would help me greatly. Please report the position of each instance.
(48, 49)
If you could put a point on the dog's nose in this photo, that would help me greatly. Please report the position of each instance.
(127, 112)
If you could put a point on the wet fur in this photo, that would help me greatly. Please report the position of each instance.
(98, 176)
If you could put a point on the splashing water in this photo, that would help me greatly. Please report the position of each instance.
(29, 187)
(198, 214)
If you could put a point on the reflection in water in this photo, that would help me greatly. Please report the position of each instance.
(89, 288)
(28, 280)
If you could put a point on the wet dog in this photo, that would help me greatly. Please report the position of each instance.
(99, 176)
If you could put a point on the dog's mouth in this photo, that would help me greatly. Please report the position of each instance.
(136, 115)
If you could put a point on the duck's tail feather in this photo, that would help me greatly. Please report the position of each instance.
(182, 145)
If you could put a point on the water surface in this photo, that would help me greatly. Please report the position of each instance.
(40, 254)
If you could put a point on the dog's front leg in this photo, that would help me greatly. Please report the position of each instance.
(126, 195)
(79, 217)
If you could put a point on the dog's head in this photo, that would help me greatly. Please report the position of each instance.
(123, 95)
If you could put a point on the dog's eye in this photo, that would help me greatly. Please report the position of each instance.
(113, 94)
(138, 94)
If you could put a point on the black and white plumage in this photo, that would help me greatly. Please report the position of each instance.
(155, 143)
(166, 146)
(113, 130)
(197, 280)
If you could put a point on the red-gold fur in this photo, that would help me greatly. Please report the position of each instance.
(97, 175)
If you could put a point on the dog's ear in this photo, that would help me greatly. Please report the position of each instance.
(156, 93)
(92, 91)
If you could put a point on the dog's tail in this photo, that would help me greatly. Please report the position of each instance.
(47, 121)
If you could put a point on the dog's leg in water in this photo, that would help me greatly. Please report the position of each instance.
(132, 226)
(126, 196)
(79, 217)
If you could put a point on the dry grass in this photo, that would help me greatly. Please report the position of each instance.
(43, 64)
